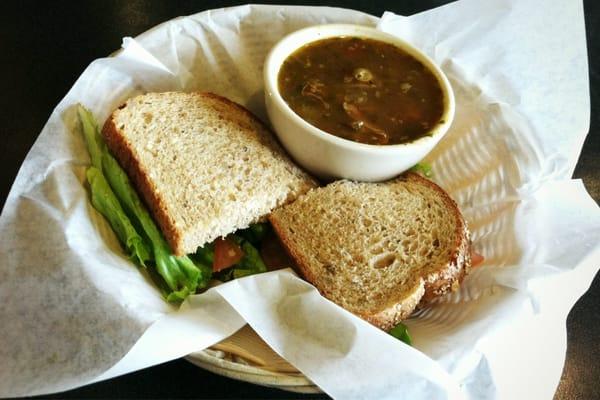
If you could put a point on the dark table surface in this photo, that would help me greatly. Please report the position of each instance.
(46, 45)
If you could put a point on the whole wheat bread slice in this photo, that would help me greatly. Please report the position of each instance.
(377, 249)
(205, 166)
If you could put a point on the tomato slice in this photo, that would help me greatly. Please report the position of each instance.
(476, 259)
(227, 253)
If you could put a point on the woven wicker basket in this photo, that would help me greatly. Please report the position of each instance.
(245, 356)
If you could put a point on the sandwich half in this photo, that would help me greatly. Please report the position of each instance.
(204, 165)
(377, 249)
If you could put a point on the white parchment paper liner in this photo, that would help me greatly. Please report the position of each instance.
(73, 310)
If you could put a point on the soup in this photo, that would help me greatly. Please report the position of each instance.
(362, 90)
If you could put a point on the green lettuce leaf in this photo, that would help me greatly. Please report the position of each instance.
(205, 255)
(400, 332)
(251, 263)
(105, 201)
(255, 233)
(181, 275)
(423, 169)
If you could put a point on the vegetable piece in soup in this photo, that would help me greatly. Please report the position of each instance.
(362, 90)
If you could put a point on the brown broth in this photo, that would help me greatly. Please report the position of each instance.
(363, 90)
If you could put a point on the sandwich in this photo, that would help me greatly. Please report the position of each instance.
(377, 249)
(185, 180)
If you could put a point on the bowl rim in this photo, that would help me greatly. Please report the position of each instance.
(325, 31)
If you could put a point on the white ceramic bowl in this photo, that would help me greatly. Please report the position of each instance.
(329, 156)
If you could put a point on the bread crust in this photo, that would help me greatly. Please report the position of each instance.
(392, 315)
(444, 279)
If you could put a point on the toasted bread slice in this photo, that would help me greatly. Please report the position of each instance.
(204, 165)
(377, 249)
